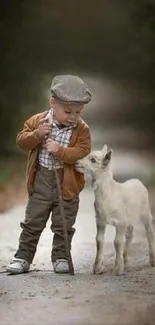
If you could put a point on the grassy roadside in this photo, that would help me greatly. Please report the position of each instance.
(12, 182)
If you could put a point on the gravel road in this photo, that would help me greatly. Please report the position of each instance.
(42, 297)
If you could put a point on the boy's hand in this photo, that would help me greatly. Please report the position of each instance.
(44, 128)
(51, 146)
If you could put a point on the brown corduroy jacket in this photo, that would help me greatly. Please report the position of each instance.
(29, 140)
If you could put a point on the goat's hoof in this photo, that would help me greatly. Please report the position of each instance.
(98, 268)
(118, 270)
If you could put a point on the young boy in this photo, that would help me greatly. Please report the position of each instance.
(61, 133)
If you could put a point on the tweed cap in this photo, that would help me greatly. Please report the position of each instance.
(70, 89)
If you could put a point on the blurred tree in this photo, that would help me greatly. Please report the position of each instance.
(42, 37)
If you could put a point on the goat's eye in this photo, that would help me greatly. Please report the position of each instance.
(93, 160)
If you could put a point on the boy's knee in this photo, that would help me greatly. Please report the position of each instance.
(32, 226)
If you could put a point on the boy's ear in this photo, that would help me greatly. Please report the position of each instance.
(52, 101)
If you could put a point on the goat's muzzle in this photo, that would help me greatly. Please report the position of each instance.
(78, 166)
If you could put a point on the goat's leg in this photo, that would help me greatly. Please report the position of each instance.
(119, 245)
(129, 237)
(98, 267)
(150, 237)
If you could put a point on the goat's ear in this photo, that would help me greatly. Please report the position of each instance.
(105, 149)
(107, 157)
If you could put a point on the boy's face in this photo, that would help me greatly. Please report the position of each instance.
(66, 114)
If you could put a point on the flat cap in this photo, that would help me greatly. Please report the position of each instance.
(70, 89)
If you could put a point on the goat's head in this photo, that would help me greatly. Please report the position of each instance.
(95, 161)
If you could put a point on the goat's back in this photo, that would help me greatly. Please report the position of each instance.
(128, 201)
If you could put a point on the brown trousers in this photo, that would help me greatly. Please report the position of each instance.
(42, 202)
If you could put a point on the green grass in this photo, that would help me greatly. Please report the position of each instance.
(11, 170)
(6, 175)
(151, 181)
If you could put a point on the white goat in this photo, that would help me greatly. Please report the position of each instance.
(117, 204)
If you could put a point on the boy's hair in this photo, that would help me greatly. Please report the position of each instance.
(70, 89)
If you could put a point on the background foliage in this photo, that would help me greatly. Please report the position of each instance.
(105, 38)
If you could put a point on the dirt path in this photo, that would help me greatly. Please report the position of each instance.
(42, 297)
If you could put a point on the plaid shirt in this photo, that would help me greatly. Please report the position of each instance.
(61, 135)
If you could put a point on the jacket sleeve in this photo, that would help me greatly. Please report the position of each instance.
(81, 149)
(29, 137)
